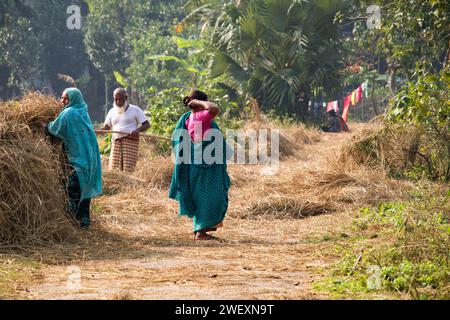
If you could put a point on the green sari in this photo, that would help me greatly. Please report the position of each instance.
(201, 189)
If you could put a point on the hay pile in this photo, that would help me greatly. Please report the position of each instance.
(303, 188)
(131, 201)
(154, 172)
(379, 146)
(115, 182)
(292, 139)
(299, 189)
(403, 150)
(297, 193)
(32, 199)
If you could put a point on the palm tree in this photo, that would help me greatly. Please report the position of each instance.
(272, 51)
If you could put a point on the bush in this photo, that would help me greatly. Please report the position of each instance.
(425, 103)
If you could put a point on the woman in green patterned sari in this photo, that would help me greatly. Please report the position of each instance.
(200, 185)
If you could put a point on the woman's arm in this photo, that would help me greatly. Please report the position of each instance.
(205, 105)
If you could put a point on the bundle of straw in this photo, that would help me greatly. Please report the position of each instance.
(32, 196)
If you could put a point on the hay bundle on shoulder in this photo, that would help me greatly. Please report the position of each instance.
(32, 196)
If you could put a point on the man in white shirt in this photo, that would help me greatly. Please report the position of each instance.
(129, 121)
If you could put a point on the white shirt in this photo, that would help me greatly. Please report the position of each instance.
(126, 122)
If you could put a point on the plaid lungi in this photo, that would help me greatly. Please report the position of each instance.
(124, 154)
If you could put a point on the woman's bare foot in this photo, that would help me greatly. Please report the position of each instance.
(202, 235)
(213, 229)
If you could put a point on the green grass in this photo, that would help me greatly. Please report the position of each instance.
(14, 272)
(395, 250)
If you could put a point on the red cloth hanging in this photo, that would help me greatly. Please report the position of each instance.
(346, 108)
(347, 101)
(329, 107)
(343, 124)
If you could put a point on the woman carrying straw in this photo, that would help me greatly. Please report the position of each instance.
(200, 187)
(74, 127)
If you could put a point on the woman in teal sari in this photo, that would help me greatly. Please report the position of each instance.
(74, 128)
(200, 186)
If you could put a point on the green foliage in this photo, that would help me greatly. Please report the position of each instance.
(37, 46)
(151, 33)
(411, 251)
(410, 31)
(425, 102)
(391, 214)
(166, 107)
(17, 42)
(104, 35)
(106, 146)
(120, 79)
(272, 51)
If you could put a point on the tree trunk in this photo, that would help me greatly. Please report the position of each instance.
(106, 97)
(254, 105)
(376, 110)
(412, 150)
(392, 85)
(447, 55)
(134, 97)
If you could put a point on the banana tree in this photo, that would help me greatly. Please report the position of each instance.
(193, 64)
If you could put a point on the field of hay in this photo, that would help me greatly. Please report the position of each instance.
(272, 245)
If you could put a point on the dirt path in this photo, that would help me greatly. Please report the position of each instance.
(146, 252)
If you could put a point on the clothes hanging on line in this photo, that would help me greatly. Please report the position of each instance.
(356, 96)
(334, 105)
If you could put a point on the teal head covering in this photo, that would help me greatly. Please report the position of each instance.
(74, 127)
(76, 99)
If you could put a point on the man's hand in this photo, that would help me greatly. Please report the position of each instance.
(135, 134)
(102, 130)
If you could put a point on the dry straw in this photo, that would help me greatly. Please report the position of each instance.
(151, 172)
(32, 197)
(304, 188)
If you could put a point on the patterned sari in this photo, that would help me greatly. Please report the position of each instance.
(201, 189)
